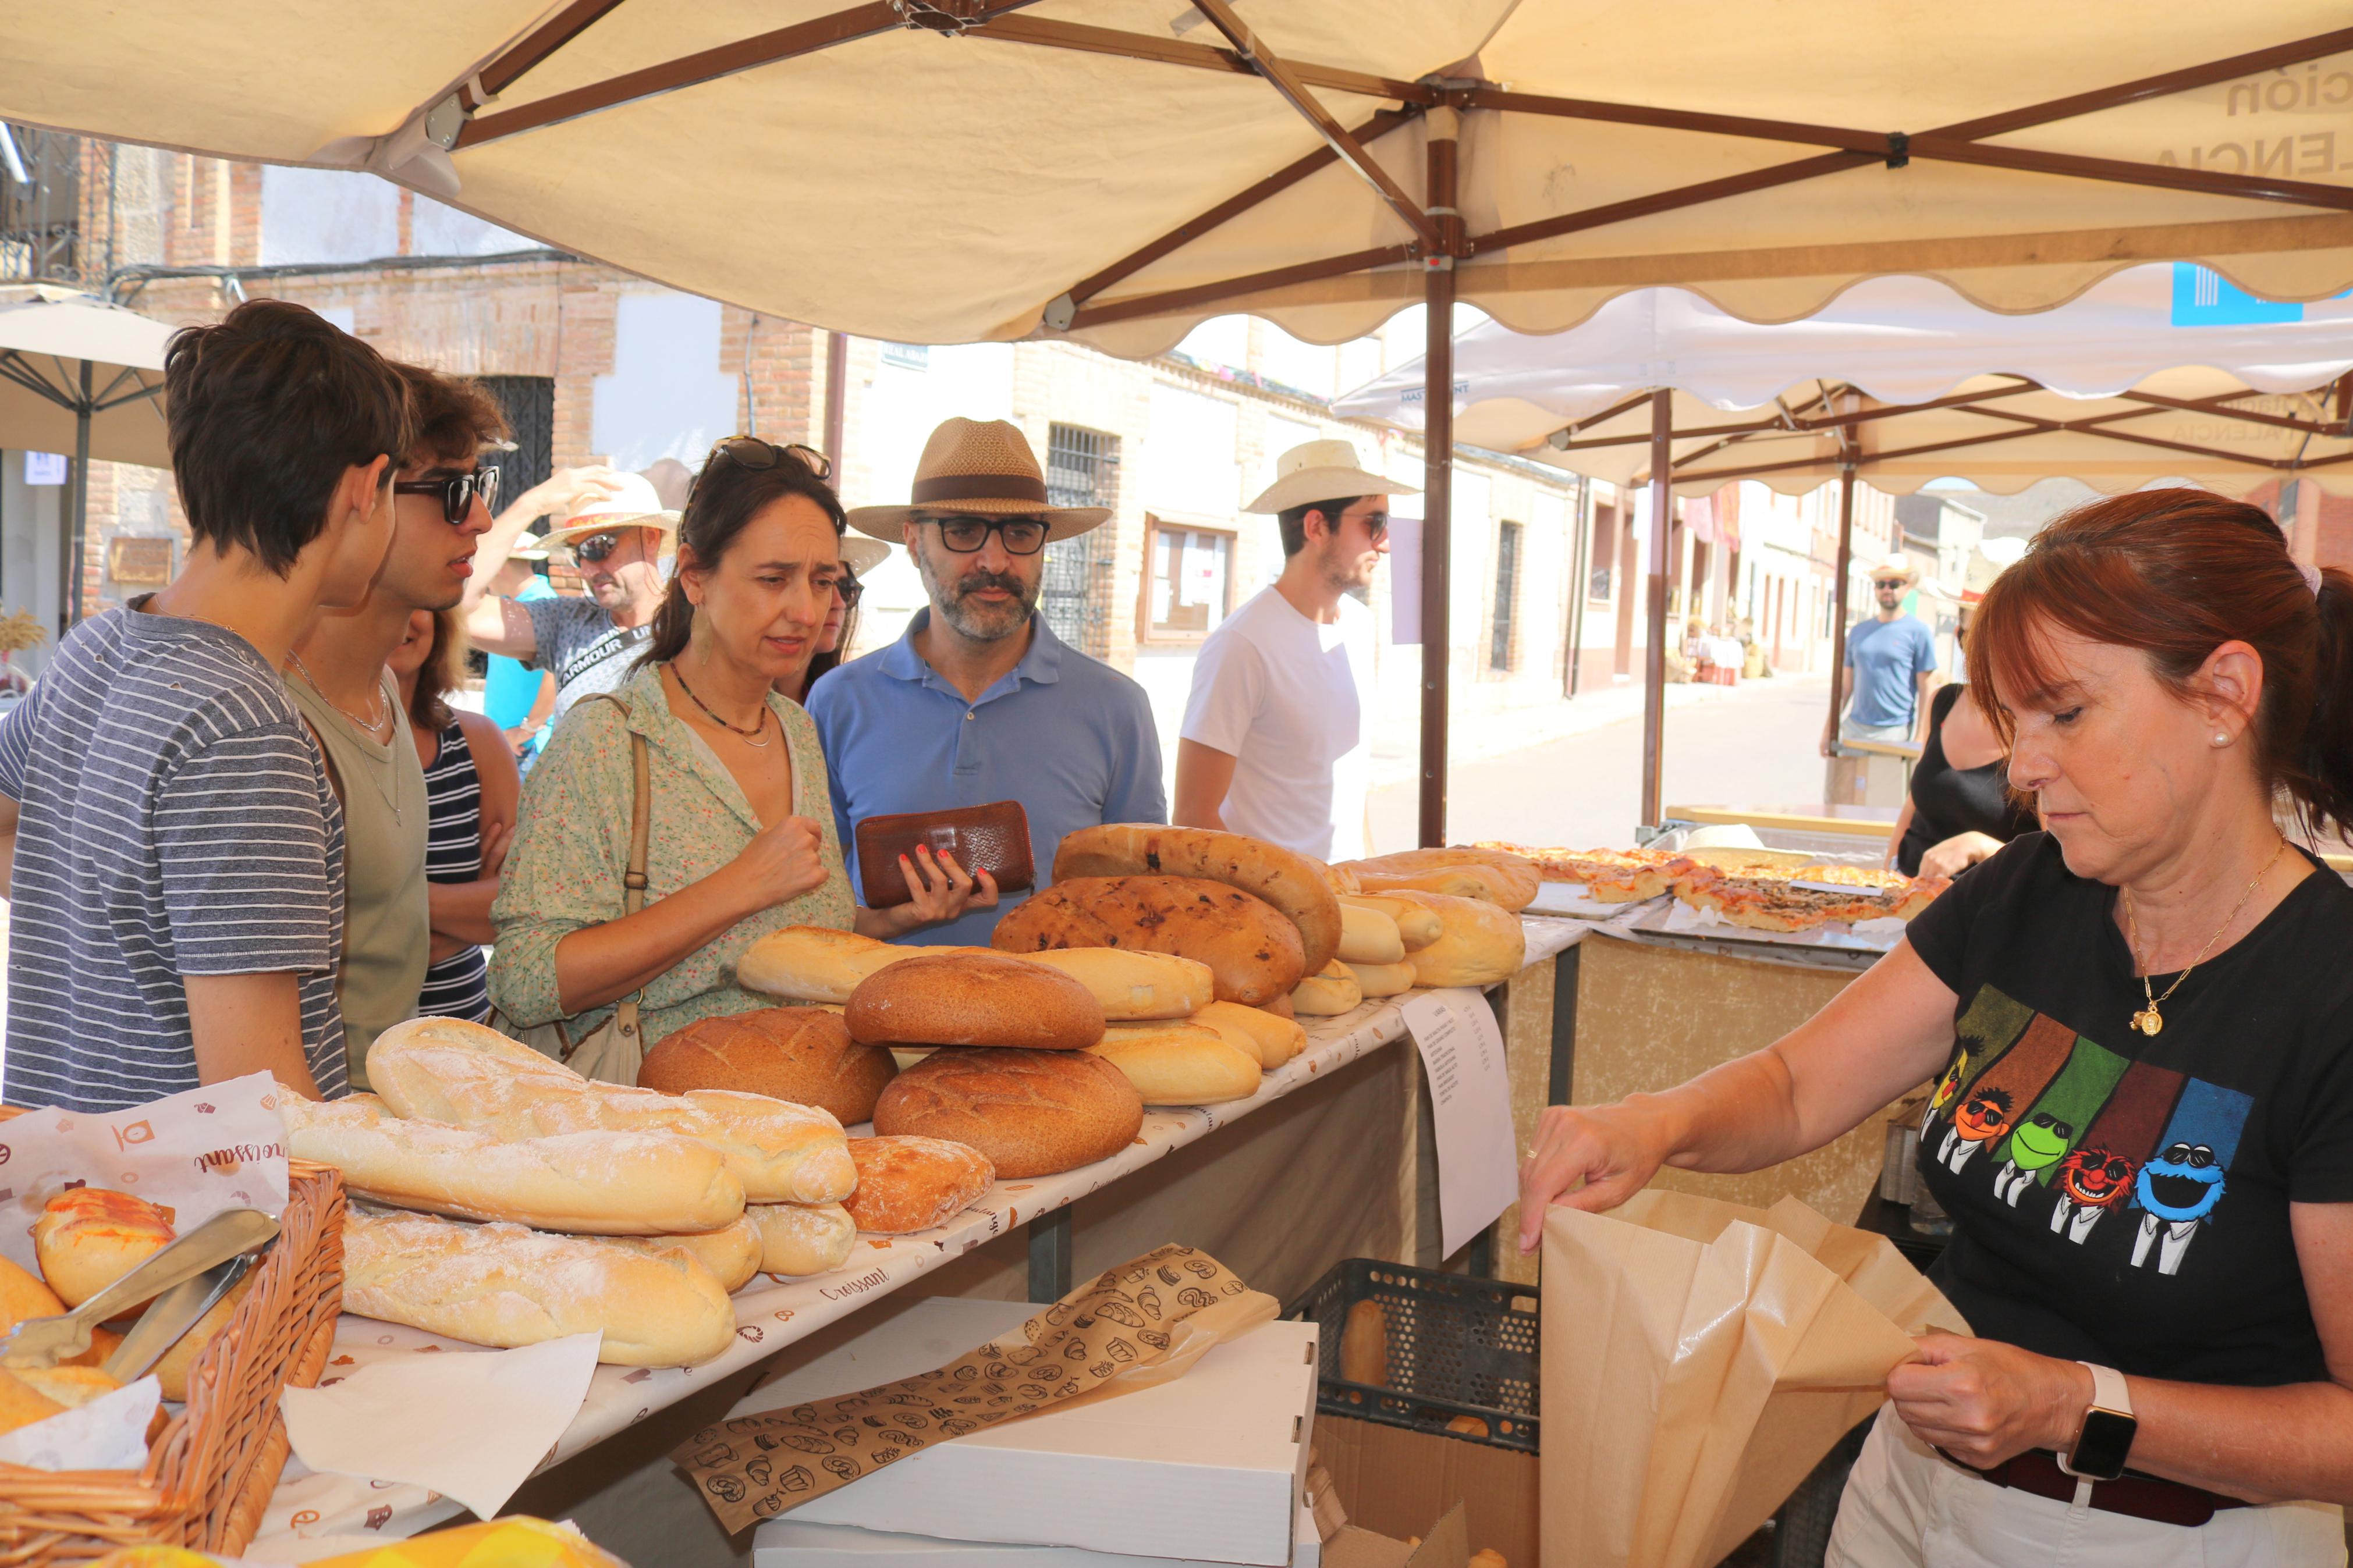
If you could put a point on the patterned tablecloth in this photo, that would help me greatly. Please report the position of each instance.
(312, 1512)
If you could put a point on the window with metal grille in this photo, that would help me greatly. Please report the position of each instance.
(1081, 469)
(42, 233)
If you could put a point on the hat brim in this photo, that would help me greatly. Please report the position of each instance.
(562, 538)
(1309, 486)
(861, 555)
(889, 523)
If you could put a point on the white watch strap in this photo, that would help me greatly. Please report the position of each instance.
(2108, 1390)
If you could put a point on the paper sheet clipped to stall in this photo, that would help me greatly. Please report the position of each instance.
(1132, 1326)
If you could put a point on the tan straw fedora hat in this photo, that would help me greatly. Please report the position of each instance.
(634, 503)
(977, 468)
(1323, 470)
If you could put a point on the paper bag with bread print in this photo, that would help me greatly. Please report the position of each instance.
(1699, 1360)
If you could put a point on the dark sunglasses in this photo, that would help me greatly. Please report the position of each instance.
(753, 454)
(595, 547)
(850, 589)
(1023, 535)
(458, 492)
(1887, 582)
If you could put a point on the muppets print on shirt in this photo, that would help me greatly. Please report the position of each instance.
(2070, 1132)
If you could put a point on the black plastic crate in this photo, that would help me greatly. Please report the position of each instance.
(1457, 1346)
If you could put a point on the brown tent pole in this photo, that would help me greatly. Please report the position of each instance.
(1655, 659)
(1438, 481)
(837, 397)
(1838, 589)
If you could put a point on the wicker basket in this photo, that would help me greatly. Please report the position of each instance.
(210, 1474)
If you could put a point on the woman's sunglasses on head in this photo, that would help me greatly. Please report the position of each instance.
(754, 455)
(458, 492)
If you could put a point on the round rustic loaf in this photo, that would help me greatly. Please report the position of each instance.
(974, 999)
(1033, 1113)
(801, 1054)
(907, 1184)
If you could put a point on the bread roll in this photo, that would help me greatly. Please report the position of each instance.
(1252, 950)
(1368, 936)
(804, 1055)
(21, 1296)
(595, 1183)
(1182, 1064)
(732, 1253)
(1383, 979)
(1291, 882)
(1274, 1040)
(21, 1404)
(1033, 1113)
(801, 1239)
(1480, 943)
(503, 1286)
(445, 1069)
(1328, 994)
(1496, 876)
(1416, 927)
(974, 999)
(1132, 984)
(907, 1184)
(173, 1370)
(88, 1238)
(813, 963)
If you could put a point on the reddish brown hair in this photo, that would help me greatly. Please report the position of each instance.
(2177, 573)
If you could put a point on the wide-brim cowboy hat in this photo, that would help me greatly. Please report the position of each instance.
(633, 503)
(1898, 566)
(861, 554)
(976, 467)
(1323, 470)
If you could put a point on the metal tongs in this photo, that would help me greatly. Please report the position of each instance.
(199, 1268)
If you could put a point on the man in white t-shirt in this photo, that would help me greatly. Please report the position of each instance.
(1273, 742)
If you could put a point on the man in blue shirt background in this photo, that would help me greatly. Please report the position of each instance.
(1891, 665)
(980, 702)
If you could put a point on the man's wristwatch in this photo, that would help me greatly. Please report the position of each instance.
(2104, 1440)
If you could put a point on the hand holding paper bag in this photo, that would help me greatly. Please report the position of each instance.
(1699, 1359)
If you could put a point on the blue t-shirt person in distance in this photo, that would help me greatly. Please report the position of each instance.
(1888, 657)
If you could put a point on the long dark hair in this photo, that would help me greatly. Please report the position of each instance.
(832, 656)
(2177, 573)
(726, 496)
(442, 673)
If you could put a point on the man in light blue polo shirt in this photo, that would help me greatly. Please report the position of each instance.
(980, 702)
(1891, 664)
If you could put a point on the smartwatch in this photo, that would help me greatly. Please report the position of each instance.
(2106, 1439)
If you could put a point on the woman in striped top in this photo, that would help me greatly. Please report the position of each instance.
(472, 784)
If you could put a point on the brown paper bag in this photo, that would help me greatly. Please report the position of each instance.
(1129, 1328)
(1699, 1360)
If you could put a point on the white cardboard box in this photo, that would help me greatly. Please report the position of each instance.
(1208, 1467)
(796, 1543)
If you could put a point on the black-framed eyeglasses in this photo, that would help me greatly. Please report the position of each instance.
(754, 455)
(1021, 535)
(458, 492)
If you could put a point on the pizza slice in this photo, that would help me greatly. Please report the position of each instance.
(1607, 875)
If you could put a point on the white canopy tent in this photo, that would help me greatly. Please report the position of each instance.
(79, 375)
(933, 171)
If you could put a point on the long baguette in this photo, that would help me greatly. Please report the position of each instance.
(732, 1253)
(598, 1184)
(800, 1239)
(445, 1069)
(503, 1285)
(818, 963)
(1283, 877)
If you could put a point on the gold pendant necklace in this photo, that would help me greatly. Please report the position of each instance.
(2150, 1021)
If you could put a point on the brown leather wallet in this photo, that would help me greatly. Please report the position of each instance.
(995, 837)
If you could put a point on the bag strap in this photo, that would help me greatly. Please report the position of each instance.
(633, 880)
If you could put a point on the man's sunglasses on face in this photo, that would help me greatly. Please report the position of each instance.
(458, 492)
(596, 547)
(1884, 584)
(1023, 535)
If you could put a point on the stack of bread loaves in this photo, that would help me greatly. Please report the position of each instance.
(546, 1205)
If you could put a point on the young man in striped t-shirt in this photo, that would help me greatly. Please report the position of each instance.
(177, 886)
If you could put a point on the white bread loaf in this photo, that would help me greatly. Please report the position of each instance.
(1291, 882)
(1383, 979)
(1416, 926)
(596, 1182)
(1495, 875)
(1274, 1040)
(1131, 983)
(1181, 1064)
(1329, 994)
(503, 1286)
(799, 1239)
(1482, 943)
(817, 963)
(732, 1253)
(445, 1069)
(1368, 936)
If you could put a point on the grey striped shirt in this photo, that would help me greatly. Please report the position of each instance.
(175, 820)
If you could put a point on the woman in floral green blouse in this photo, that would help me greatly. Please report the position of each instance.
(742, 841)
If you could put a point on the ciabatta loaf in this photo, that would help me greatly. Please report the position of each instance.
(595, 1183)
(1290, 881)
(445, 1069)
(504, 1285)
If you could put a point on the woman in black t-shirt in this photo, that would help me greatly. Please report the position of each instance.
(1959, 809)
(2139, 1026)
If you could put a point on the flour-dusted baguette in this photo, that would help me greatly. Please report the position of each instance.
(1368, 936)
(1416, 926)
(732, 1253)
(595, 1183)
(1481, 943)
(1274, 1040)
(1495, 875)
(1181, 1064)
(505, 1285)
(445, 1069)
(800, 1239)
(1290, 881)
(1329, 994)
(1383, 979)
(1132, 984)
(1252, 950)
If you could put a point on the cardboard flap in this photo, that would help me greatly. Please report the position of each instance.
(1448, 1544)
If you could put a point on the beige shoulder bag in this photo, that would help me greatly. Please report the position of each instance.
(613, 1051)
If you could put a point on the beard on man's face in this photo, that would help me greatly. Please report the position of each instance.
(952, 595)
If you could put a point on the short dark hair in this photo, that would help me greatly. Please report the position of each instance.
(265, 412)
(1293, 521)
(453, 417)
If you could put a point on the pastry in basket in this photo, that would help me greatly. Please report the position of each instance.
(88, 1238)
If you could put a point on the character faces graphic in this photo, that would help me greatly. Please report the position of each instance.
(2011, 1079)
(2050, 1128)
(2180, 1188)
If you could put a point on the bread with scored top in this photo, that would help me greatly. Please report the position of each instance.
(1033, 1113)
